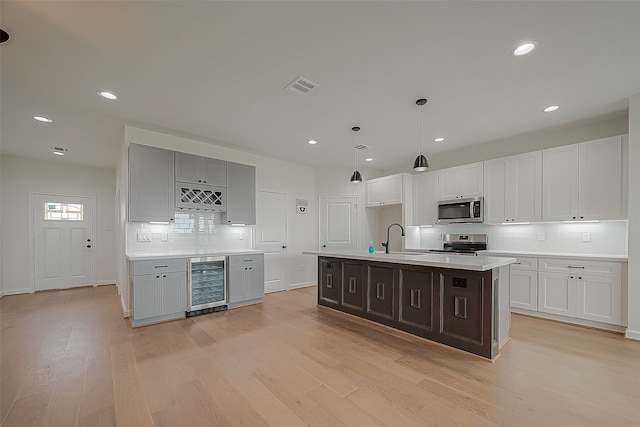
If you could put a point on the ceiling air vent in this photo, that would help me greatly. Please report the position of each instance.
(300, 86)
(361, 147)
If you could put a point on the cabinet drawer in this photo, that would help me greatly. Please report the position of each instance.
(525, 263)
(153, 266)
(597, 268)
(248, 260)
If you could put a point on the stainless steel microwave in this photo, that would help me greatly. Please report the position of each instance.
(461, 210)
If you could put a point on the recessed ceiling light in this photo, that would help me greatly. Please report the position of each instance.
(42, 119)
(368, 159)
(313, 142)
(439, 139)
(107, 95)
(524, 48)
(551, 108)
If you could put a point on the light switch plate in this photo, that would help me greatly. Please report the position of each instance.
(542, 237)
(586, 237)
(144, 237)
(165, 237)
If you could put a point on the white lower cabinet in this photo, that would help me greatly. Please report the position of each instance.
(591, 293)
(599, 299)
(583, 289)
(557, 294)
(246, 279)
(524, 289)
(159, 290)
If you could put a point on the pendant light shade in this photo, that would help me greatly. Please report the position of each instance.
(421, 163)
(356, 177)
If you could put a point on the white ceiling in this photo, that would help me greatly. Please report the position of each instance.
(217, 70)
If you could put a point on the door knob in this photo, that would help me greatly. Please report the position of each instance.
(88, 246)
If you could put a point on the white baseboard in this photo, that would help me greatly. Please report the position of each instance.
(632, 335)
(17, 292)
(302, 285)
(125, 312)
(105, 282)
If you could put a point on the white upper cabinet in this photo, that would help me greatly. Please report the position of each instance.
(425, 198)
(200, 170)
(151, 184)
(513, 189)
(241, 194)
(460, 182)
(560, 183)
(387, 190)
(584, 181)
(600, 179)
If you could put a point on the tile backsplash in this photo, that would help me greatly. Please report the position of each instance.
(190, 230)
(605, 237)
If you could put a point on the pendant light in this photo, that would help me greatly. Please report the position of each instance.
(356, 177)
(420, 164)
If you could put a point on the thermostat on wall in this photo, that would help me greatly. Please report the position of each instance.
(302, 206)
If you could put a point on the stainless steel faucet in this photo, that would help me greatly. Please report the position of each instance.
(386, 244)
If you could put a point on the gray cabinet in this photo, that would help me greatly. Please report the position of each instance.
(151, 183)
(159, 290)
(200, 170)
(241, 194)
(246, 279)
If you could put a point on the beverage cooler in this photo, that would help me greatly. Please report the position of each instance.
(207, 282)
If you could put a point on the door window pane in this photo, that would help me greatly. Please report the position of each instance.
(54, 211)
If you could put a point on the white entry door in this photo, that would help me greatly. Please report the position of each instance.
(63, 241)
(271, 237)
(338, 223)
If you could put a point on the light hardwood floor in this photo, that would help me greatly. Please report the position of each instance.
(69, 358)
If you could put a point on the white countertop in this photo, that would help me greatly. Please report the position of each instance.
(188, 253)
(593, 257)
(460, 262)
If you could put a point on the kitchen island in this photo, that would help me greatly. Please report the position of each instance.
(458, 300)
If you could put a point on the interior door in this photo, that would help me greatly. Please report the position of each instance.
(338, 223)
(271, 237)
(63, 241)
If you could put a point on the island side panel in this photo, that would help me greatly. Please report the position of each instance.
(502, 304)
(466, 306)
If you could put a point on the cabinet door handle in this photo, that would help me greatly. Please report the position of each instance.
(415, 298)
(517, 263)
(89, 246)
(158, 276)
(161, 266)
(352, 285)
(572, 266)
(380, 290)
(164, 275)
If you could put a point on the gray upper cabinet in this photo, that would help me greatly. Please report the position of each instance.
(151, 184)
(241, 194)
(200, 170)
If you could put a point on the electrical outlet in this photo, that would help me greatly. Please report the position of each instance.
(302, 268)
(586, 237)
(241, 236)
(542, 237)
(165, 237)
(144, 237)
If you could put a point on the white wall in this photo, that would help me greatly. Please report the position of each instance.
(271, 175)
(603, 127)
(21, 176)
(607, 237)
(633, 331)
(332, 182)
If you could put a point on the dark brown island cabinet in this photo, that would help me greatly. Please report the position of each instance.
(465, 309)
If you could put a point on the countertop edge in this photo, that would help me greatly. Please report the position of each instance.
(178, 254)
(592, 257)
(434, 260)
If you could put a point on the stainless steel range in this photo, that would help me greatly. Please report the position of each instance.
(462, 244)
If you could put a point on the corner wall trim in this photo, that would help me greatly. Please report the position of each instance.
(125, 312)
(632, 335)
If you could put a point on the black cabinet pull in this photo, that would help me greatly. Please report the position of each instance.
(88, 246)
